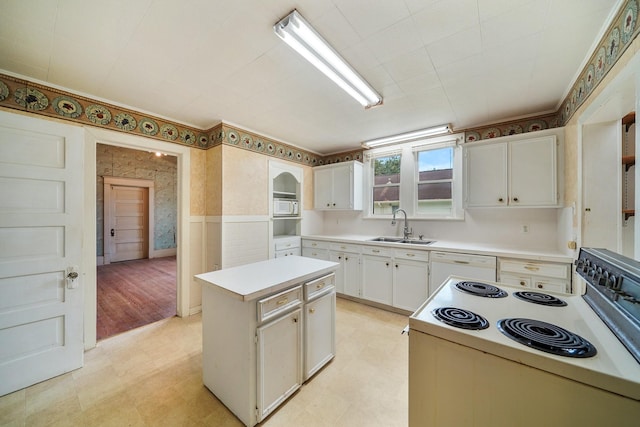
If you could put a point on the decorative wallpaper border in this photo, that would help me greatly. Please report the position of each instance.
(621, 33)
(34, 98)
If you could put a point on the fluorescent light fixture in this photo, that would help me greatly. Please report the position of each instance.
(301, 36)
(406, 137)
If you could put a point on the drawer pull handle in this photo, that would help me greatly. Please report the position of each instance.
(410, 254)
(532, 267)
(375, 251)
(343, 247)
(461, 262)
(314, 244)
(312, 310)
(283, 301)
(320, 285)
(522, 283)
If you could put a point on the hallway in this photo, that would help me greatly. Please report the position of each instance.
(135, 293)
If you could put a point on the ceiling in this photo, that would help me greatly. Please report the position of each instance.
(200, 62)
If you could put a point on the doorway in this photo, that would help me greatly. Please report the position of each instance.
(136, 238)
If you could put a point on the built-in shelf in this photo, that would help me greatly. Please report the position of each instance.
(285, 194)
(628, 120)
(628, 213)
(276, 217)
(628, 161)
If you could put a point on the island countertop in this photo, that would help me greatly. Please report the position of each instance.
(252, 281)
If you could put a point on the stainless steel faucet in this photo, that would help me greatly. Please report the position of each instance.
(406, 231)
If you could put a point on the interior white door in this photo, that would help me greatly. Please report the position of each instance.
(601, 185)
(129, 216)
(41, 202)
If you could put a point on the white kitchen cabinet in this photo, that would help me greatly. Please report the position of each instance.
(348, 274)
(338, 186)
(318, 249)
(535, 275)
(377, 279)
(516, 173)
(410, 278)
(286, 246)
(279, 361)
(319, 324)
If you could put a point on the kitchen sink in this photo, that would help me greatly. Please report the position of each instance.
(387, 239)
(401, 240)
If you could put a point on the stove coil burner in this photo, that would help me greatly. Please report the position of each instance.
(540, 298)
(460, 318)
(481, 289)
(546, 337)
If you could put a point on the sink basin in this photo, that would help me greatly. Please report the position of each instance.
(387, 239)
(401, 240)
(417, 242)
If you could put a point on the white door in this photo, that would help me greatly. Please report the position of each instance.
(532, 172)
(343, 187)
(486, 175)
(129, 223)
(41, 203)
(320, 333)
(601, 185)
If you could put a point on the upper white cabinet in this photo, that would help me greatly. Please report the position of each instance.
(518, 173)
(338, 186)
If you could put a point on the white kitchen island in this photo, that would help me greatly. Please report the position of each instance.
(266, 328)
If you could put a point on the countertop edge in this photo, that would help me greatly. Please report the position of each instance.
(450, 246)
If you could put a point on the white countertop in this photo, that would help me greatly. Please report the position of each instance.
(450, 246)
(252, 281)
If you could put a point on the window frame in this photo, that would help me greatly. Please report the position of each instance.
(409, 170)
(373, 185)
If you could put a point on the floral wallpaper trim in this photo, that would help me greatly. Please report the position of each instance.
(26, 96)
(621, 33)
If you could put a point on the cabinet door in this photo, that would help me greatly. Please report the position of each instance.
(486, 175)
(323, 188)
(279, 361)
(320, 333)
(377, 279)
(533, 171)
(410, 284)
(342, 187)
(352, 274)
(340, 275)
(316, 253)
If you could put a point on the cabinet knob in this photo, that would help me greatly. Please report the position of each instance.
(328, 205)
(312, 310)
(396, 265)
(515, 199)
(387, 264)
(540, 286)
(522, 283)
(334, 204)
(500, 199)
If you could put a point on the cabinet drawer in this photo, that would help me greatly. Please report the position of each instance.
(377, 250)
(535, 268)
(279, 303)
(316, 253)
(287, 243)
(558, 286)
(513, 280)
(344, 247)
(319, 286)
(316, 244)
(413, 255)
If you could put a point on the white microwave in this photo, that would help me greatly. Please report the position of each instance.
(285, 207)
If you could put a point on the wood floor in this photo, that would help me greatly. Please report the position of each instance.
(135, 293)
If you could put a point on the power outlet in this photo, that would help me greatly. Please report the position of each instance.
(524, 228)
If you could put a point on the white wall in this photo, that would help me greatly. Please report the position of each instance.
(490, 226)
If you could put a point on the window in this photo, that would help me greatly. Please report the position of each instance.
(422, 177)
(435, 181)
(386, 185)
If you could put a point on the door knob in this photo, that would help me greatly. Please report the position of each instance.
(113, 232)
(72, 277)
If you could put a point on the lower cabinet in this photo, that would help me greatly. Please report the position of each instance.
(279, 361)
(320, 332)
(535, 275)
(377, 277)
(348, 274)
(410, 279)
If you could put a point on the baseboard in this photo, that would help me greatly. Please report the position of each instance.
(195, 310)
(163, 253)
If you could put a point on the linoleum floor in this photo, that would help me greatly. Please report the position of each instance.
(152, 376)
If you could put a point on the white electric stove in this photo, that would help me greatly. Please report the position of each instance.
(485, 353)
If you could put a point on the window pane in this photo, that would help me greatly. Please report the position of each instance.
(435, 164)
(386, 170)
(386, 185)
(434, 191)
